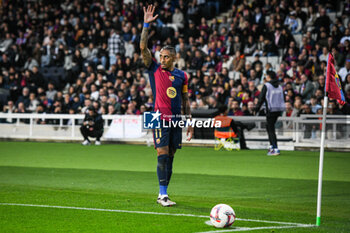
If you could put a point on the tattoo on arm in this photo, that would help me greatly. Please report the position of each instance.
(146, 54)
(186, 106)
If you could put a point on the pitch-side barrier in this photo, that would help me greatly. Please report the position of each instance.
(292, 132)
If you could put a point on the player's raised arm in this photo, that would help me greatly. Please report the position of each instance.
(148, 18)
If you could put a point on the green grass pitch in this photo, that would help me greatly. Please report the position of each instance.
(100, 181)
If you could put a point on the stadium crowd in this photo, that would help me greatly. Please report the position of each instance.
(96, 44)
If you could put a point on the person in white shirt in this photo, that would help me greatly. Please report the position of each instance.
(94, 92)
(177, 20)
(324, 55)
(345, 70)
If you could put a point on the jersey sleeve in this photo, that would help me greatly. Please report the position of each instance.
(153, 67)
(185, 84)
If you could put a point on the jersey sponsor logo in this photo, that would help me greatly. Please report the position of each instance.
(172, 78)
(171, 92)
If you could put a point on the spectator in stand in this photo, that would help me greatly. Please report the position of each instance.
(250, 46)
(177, 20)
(80, 41)
(180, 62)
(322, 21)
(320, 83)
(290, 56)
(21, 108)
(306, 88)
(51, 91)
(293, 23)
(308, 128)
(24, 99)
(131, 109)
(314, 105)
(37, 78)
(290, 112)
(250, 109)
(339, 58)
(111, 110)
(270, 48)
(298, 106)
(115, 46)
(9, 108)
(238, 61)
(234, 109)
(33, 104)
(324, 55)
(213, 103)
(344, 71)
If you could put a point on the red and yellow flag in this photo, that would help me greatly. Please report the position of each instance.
(333, 84)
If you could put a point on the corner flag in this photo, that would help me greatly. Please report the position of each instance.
(332, 90)
(333, 85)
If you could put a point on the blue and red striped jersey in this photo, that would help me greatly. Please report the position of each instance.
(167, 88)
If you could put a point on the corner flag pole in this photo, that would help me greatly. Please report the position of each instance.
(320, 169)
(323, 136)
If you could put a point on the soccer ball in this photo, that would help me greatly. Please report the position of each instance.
(222, 215)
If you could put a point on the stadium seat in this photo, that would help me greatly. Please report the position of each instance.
(263, 60)
(332, 16)
(56, 75)
(236, 75)
(298, 39)
(231, 74)
(251, 59)
(224, 136)
(273, 60)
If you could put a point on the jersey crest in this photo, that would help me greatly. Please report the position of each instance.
(171, 92)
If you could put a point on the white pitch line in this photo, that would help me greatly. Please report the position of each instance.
(102, 210)
(256, 228)
(146, 212)
(275, 222)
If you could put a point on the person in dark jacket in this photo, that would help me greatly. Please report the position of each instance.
(92, 126)
(272, 95)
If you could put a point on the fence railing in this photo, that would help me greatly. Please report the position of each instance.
(303, 131)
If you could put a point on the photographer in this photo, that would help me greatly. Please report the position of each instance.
(238, 127)
(92, 126)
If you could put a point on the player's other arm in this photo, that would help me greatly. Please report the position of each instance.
(148, 18)
(186, 106)
(187, 110)
(262, 97)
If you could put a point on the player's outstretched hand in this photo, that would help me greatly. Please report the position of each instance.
(148, 14)
(189, 133)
